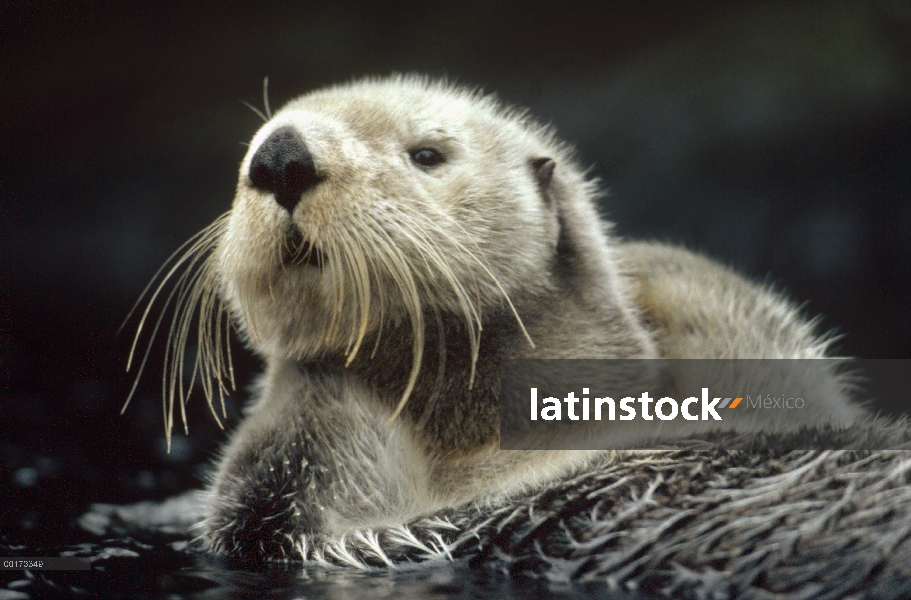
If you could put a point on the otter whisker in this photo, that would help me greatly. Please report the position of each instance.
(268, 111)
(212, 361)
(331, 252)
(188, 298)
(424, 235)
(279, 256)
(366, 241)
(148, 351)
(201, 242)
(431, 257)
(472, 312)
(266, 97)
(361, 275)
(196, 286)
(496, 281)
(439, 382)
(402, 275)
(436, 263)
(210, 337)
(203, 294)
(258, 112)
(249, 318)
(225, 364)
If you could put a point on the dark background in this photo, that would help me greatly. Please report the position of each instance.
(775, 136)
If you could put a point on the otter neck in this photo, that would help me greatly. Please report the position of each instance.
(457, 419)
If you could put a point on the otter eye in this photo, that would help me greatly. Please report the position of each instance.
(426, 157)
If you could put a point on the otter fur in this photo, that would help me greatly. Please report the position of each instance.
(391, 242)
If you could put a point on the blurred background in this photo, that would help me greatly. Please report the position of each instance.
(774, 136)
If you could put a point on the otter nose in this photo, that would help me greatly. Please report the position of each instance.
(283, 165)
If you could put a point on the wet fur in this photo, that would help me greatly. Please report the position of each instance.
(378, 406)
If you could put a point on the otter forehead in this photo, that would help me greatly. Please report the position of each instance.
(389, 115)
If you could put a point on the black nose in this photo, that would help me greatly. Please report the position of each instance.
(283, 165)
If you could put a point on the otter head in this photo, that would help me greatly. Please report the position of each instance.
(372, 204)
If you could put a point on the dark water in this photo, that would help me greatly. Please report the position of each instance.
(129, 568)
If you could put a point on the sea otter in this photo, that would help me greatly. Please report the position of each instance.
(391, 242)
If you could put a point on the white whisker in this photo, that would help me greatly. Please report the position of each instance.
(196, 287)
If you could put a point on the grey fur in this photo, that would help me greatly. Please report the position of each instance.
(372, 437)
(704, 524)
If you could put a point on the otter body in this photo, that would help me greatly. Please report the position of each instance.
(390, 243)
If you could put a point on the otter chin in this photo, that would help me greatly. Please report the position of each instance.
(390, 243)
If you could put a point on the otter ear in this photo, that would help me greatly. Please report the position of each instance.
(544, 171)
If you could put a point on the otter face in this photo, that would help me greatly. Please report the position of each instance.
(377, 203)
